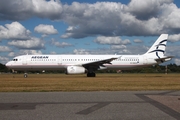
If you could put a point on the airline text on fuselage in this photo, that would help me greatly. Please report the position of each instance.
(39, 57)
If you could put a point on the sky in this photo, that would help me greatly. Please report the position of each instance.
(124, 27)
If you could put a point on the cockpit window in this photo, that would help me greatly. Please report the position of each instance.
(15, 59)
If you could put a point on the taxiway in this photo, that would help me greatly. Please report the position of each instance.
(136, 105)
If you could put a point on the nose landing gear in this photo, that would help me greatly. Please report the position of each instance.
(25, 75)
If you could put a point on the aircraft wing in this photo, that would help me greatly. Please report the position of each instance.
(164, 59)
(97, 64)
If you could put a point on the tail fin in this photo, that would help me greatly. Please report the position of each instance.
(158, 48)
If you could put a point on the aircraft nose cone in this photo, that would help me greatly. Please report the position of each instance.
(8, 64)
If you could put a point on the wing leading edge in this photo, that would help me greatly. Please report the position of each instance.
(98, 64)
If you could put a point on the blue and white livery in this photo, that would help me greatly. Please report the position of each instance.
(79, 64)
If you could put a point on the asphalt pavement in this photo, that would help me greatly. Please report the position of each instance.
(118, 105)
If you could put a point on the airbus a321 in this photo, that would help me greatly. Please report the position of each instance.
(80, 64)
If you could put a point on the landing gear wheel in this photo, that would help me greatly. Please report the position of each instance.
(25, 75)
(91, 74)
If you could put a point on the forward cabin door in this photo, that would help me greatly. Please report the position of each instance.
(59, 60)
(24, 60)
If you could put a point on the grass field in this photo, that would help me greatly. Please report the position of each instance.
(103, 82)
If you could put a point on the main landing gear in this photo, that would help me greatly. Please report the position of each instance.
(91, 74)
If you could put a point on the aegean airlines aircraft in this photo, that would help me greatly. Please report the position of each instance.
(79, 64)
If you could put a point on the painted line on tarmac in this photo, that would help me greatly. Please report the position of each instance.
(93, 108)
(159, 105)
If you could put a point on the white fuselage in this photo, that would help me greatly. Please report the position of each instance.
(61, 62)
(78, 64)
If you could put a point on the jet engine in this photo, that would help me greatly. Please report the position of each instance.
(102, 68)
(75, 70)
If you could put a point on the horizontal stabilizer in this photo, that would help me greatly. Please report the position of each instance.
(164, 59)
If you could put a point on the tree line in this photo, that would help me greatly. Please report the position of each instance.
(171, 68)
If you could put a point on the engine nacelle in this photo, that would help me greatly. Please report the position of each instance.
(102, 68)
(75, 70)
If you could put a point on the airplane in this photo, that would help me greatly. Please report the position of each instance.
(81, 64)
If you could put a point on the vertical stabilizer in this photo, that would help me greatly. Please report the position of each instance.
(158, 48)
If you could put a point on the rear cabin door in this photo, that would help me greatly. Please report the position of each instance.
(145, 61)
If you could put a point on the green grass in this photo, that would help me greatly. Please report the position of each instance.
(103, 82)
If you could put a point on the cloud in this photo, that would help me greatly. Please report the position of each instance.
(45, 29)
(174, 37)
(61, 45)
(81, 52)
(11, 54)
(137, 18)
(173, 50)
(53, 53)
(171, 20)
(30, 52)
(5, 49)
(25, 9)
(14, 31)
(111, 40)
(86, 19)
(3, 59)
(138, 41)
(177, 61)
(148, 9)
(143, 10)
(33, 43)
(118, 47)
(69, 34)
